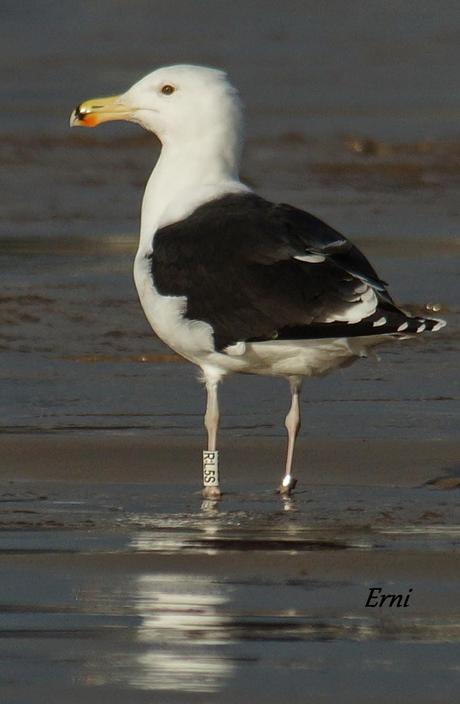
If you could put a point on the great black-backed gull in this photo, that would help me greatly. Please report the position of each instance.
(228, 280)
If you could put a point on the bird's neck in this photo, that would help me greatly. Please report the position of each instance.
(186, 176)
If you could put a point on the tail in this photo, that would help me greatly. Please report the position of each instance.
(396, 321)
(387, 320)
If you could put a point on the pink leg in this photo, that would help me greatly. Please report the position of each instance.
(292, 424)
(211, 488)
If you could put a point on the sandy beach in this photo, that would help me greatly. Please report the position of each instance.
(118, 582)
(247, 461)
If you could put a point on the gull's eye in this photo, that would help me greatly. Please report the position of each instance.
(168, 89)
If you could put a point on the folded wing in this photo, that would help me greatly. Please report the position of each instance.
(254, 270)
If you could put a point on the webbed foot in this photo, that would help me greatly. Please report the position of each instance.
(287, 486)
(211, 492)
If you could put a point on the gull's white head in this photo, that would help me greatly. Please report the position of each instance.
(177, 103)
(196, 114)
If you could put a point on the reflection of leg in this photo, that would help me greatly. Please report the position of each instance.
(292, 423)
(211, 506)
(211, 456)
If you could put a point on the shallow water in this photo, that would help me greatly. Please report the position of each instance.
(153, 590)
(142, 592)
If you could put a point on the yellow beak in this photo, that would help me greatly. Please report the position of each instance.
(92, 112)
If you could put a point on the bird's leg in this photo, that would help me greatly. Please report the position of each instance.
(292, 424)
(211, 489)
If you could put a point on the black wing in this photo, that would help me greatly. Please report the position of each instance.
(254, 270)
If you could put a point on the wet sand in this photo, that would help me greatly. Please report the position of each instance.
(248, 460)
(119, 581)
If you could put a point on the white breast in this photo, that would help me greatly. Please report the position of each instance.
(192, 339)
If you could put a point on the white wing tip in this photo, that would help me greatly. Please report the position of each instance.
(379, 322)
(439, 325)
(311, 258)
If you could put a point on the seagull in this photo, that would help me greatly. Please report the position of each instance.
(233, 282)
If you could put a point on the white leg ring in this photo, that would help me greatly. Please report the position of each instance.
(211, 488)
(210, 468)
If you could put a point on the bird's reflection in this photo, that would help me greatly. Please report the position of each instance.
(289, 503)
(210, 506)
(181, 623)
